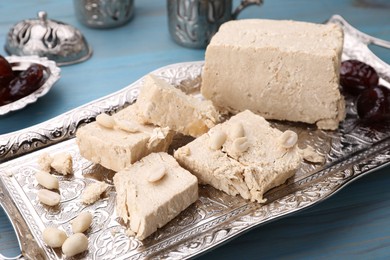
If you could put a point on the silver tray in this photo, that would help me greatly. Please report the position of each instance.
(351, 152)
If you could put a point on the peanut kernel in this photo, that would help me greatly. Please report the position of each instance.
(237, 130)
(47, 180)
(156, 173)
(54, 237)
(75, 244)
(82, 222)
(127, 126)
(240, 144)
(105, 120)
(288, 139)
(48, 197)
(217, 139)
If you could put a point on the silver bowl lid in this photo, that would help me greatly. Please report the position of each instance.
(55, 40)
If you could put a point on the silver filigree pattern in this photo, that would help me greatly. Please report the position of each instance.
(350, 152)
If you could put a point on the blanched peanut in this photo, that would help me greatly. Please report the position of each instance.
(127, 126)
(47, 180)
(105, 120)
(48, 197)
(156, 173)
(81, 222)
(75, 244)
(288, 139)
(237, 130)
(217, 139)
(54, 237)
(240, 145)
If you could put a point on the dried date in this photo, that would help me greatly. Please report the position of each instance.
(357, 76)
(6, 73)
(373, 105)
(24, 84)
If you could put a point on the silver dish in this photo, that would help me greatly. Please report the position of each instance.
(52, 74)
(44, 37)
(351, 152)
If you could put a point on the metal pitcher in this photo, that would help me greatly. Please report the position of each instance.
(192, 23)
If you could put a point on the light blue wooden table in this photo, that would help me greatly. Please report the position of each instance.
(355, 223)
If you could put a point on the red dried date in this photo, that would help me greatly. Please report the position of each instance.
(27, 81)
(24, 84)
(373, 105)
(356, 76)
(6, 73)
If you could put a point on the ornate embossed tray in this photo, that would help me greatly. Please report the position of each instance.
(351, 152)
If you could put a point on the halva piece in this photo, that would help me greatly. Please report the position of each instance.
(93, 192)
(284, 70)
(152, 192)
(62, 163)
(117, 141)
(162, 104)
(253, 158)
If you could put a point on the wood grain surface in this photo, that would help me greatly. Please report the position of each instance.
(353, 224)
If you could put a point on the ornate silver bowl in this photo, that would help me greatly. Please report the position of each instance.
(51, 75)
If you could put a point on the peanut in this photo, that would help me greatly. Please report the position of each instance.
(156, 173)
(47, 180)
(75, 244)
(48, 197)
(127, 126)
(82, 222)
(240, 145)
(288, 139)
(237, 130)
(217, 139)
(105, 120)
(54, 237)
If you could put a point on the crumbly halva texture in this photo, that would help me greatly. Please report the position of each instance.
(284, 70)
(61, 163)
(263, 164)
(44, 161)
(93, 192)
(146, 205)
(122, 144)
(162, 104)
(309, 154)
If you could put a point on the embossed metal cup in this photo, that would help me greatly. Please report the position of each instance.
(104, 13)
(192, 23)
